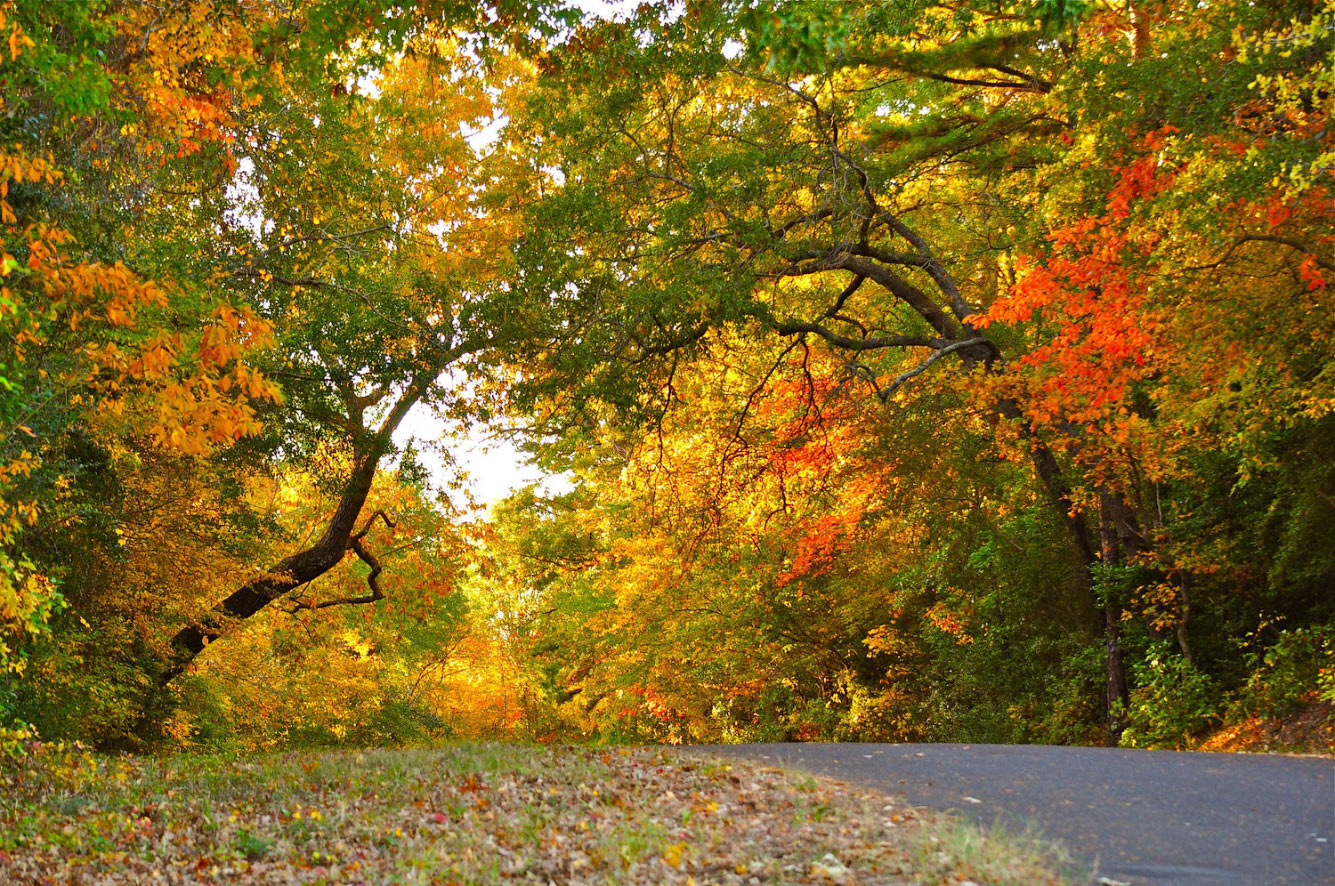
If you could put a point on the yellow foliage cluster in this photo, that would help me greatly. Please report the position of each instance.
(189, 75)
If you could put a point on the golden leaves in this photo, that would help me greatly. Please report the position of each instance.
(188, 78)
(17, 40)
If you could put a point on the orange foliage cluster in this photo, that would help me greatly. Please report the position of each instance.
(819, 544)
(1102, 329)
(200, 396)
(949, 623)
(1093, 292)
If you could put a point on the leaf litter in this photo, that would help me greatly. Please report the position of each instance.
(482, 813)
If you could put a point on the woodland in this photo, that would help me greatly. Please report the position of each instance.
(908, 370)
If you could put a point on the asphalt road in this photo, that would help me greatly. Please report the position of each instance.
(1136, 817)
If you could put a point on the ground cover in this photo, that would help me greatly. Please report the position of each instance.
(1309, 730)
(477, 813)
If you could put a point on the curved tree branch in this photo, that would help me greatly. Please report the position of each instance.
(898, 381)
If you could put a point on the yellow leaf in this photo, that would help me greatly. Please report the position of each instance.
(672, 855)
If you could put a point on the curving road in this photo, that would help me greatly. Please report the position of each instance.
(1147, 818)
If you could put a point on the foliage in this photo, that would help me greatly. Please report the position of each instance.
(918, 370)
(1172, 702)
(932, 350)
(241, 242)
(95, 355)
(1289, 672)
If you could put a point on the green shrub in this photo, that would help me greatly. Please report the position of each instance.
(1296, 669)
(1171, 702)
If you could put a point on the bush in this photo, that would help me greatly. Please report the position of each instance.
(1172, 701)
(1295, 670)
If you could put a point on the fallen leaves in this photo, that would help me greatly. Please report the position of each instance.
(464, 814)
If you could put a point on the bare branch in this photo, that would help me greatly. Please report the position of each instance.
(358, 546)
(325, 236)
(371, 520)
(372, 580)
(849, 291)
(926, 260)
(898, 381)
(1028, 85)
(1039, 83)
(1265, 238)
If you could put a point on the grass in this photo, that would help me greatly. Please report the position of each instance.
(477, 813)
(996, 855)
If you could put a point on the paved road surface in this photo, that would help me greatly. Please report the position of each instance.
(1140, 817)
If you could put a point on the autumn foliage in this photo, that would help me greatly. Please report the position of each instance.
(899, 371)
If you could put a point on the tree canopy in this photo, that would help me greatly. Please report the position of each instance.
(915, 369)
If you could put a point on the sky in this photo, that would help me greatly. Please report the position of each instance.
(493, 466)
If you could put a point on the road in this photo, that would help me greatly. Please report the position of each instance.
(1148, 818)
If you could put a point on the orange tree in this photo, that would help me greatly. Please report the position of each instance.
(1173, 332)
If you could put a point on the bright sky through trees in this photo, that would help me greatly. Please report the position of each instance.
(493, 466)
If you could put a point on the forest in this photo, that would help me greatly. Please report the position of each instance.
(899, 371)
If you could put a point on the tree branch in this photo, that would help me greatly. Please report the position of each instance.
(852, 344)
(358, 546)
(898, 381)
(1265, 238)
(369, 521)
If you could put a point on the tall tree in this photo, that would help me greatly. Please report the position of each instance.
(297, 250)
(867, 180)
(360, 227)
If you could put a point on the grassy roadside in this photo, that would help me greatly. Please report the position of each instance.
(469, 814)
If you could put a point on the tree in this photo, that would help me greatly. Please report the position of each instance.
(367, 241)
(99, 356)
(296, 248)
(871, 188)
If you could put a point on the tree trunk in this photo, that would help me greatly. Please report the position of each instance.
(339, 536)
(288, 573)
(1119, 543)
(1117, 695)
